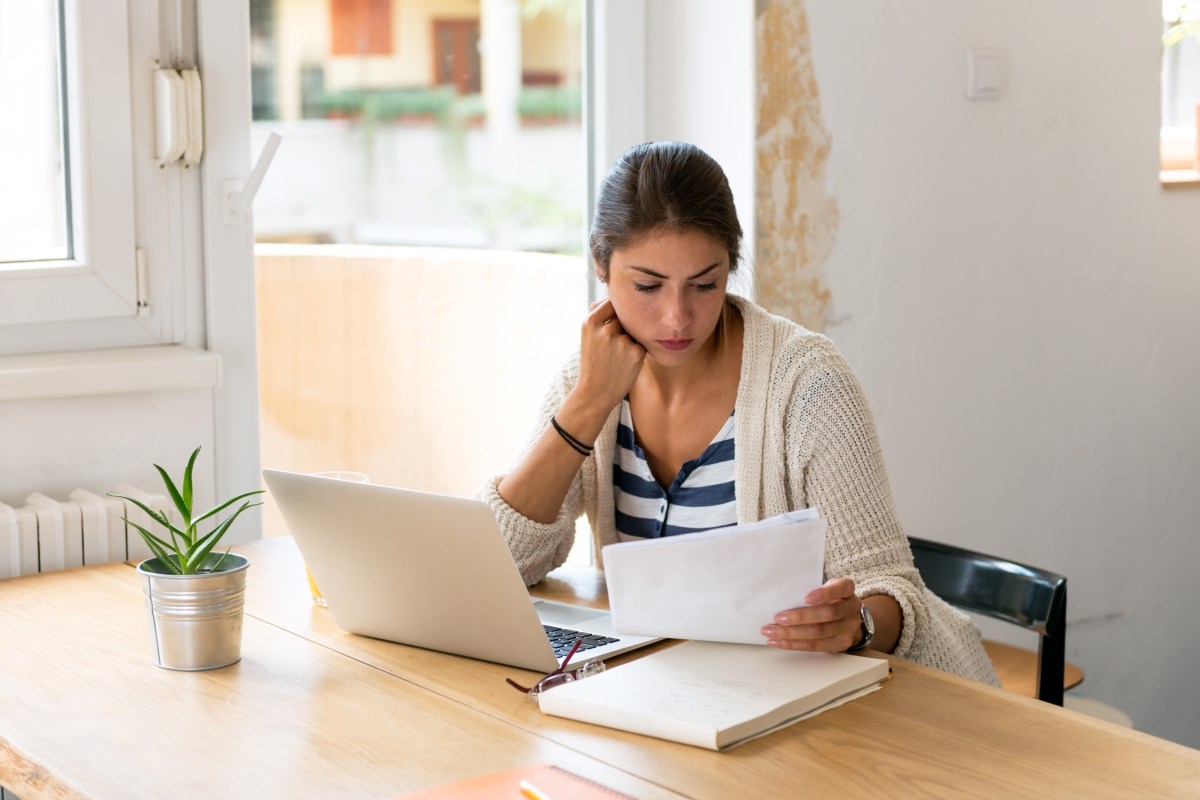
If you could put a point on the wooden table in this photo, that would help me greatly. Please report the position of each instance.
(313, 711)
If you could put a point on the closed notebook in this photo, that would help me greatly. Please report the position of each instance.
(715, 694)
(553, 782)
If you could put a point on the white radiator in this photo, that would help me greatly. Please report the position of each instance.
(87, 528)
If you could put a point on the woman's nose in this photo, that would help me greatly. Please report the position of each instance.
(677, 314)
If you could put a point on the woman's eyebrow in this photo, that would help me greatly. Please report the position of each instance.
(660, 276)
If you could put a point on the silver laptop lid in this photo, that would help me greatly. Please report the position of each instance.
(413, 567)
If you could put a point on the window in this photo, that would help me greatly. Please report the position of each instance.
(420, 260)
(360, 27)
(1180, 148)
(262, 61)
(89, 260)
(32, 154)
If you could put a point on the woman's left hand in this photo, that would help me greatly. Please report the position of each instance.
(830, 623)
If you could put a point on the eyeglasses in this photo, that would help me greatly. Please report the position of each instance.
(561, 675)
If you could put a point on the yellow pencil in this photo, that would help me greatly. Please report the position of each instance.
(532, 792)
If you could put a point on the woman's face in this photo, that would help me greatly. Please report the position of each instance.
(668, 290)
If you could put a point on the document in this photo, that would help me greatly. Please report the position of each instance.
(721, 585)
(715, 695)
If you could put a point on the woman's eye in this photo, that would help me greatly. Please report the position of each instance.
(706, 287)
(645, 287)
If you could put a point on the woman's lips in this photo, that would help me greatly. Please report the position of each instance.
(675, 344)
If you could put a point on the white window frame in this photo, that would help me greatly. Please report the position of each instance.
(223, 56)
(200, 332)
(125, 206)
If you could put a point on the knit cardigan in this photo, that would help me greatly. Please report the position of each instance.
(804, 437)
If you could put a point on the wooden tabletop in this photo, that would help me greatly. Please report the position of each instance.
(311, 710)
(84, 713)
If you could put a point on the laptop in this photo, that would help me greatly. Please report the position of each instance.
(432, 571)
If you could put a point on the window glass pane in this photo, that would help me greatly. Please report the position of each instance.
(1179, 146)
(420, 266)
(33, 191)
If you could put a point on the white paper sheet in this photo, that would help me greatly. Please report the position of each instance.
(720, 585)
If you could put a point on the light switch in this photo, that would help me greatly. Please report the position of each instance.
(985, 73)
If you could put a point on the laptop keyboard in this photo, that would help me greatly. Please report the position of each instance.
(563, 639)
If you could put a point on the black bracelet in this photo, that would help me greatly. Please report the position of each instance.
(571, 438)
(576, 445)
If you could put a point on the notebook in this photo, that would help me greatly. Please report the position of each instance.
(716, 695)
(428, 570)
(521, 783)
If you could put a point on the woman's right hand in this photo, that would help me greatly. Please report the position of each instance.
(609, 363)
(609, 359)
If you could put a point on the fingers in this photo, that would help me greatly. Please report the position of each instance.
(834, 589)
(830, 623)
(601, 313)
(835, 636)
(602, 320)
(610, 359)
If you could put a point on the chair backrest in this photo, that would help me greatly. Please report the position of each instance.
(1027, 596)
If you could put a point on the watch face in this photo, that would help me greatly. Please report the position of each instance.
(868, 626)
(868, 622)
(868, 629)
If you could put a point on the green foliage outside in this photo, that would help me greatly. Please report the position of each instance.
(381, 105)
(1181, 28)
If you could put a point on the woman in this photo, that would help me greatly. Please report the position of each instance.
(688, 408)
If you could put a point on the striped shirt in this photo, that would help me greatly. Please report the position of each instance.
(700, 498)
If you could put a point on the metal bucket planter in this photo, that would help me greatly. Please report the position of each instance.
(196, 620)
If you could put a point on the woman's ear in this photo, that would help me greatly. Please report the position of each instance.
(600, 269)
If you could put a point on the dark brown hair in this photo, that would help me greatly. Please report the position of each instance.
(672, 186)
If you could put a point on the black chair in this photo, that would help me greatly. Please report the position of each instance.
(1017, 593)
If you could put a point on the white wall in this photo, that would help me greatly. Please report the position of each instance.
(1017, 294)
(700, 86)
(55, 445)
(682, 70)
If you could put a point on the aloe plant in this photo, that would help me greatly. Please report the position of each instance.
(187, 551)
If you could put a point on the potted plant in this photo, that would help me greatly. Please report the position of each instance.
(194, 597)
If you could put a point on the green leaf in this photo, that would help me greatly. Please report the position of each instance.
(196, 556)
(1179, 31)
(204, 546)
(160, 549)
(220, 560)
(157, 516)
(183, 506)
(226, 505)
(149, 537)
(187, 483)
(166, 560)
(179, 540)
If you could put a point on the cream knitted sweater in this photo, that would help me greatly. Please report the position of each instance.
(804, 437)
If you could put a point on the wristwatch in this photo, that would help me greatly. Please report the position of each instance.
(868, 630)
